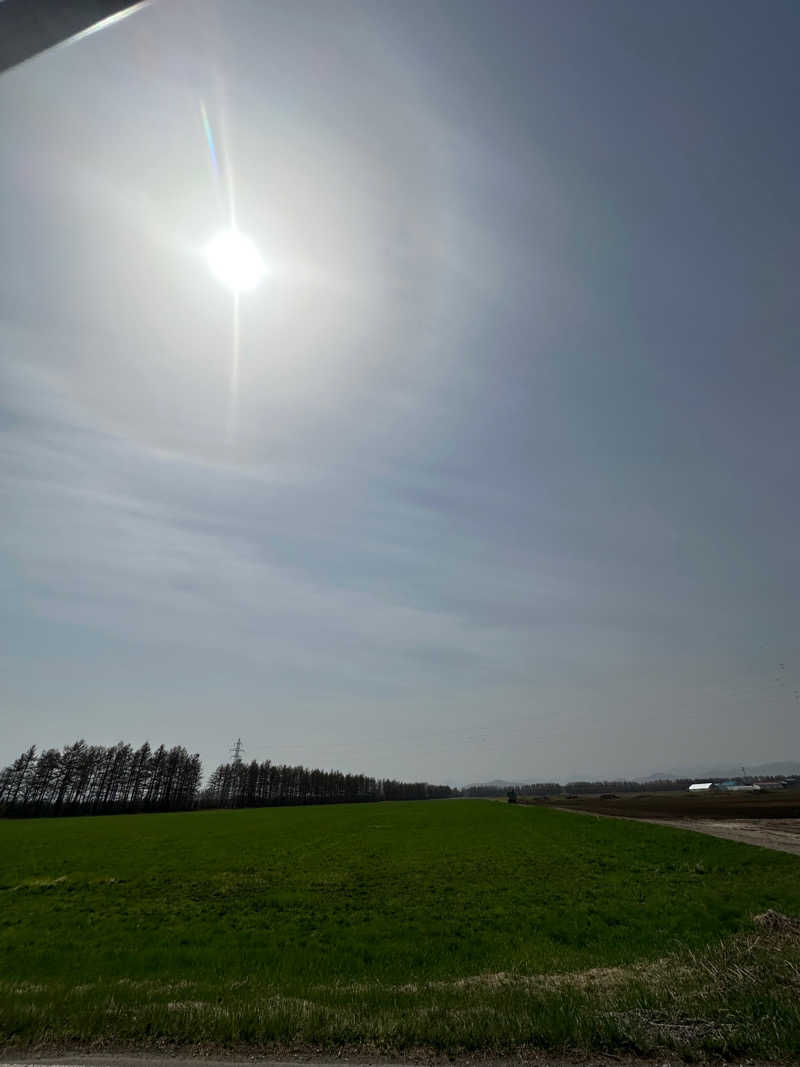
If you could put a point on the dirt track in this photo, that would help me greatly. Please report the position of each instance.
(783, 835)
(780, 834)
(769, 819)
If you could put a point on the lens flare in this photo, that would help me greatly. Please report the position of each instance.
(235, 260)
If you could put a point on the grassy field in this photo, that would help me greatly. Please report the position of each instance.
(451, 925)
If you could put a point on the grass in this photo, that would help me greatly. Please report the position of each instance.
(450, 925)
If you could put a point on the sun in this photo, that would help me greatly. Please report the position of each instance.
(235, 260)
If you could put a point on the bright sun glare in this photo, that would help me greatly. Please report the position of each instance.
(235, 260)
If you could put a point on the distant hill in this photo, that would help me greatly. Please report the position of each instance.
(500, 783)
(722, 770)
(727, 770)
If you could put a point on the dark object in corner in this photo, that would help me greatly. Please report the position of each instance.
(30, 26)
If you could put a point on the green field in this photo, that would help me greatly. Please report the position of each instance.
(451, 925)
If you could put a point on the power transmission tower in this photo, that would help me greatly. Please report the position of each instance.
(237, 750)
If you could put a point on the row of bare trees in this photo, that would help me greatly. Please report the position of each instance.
(83, 779)
(255, 785)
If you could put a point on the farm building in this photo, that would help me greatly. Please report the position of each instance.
(732, 786)
(702, 787)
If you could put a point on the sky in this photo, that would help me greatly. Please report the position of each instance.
(494, 474)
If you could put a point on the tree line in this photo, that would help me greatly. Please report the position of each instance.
(86, 779)
(267, 784)
(543, 789)
(83, 779)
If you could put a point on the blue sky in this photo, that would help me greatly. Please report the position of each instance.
(508, 484)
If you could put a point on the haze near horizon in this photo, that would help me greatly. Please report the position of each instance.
(490, 473)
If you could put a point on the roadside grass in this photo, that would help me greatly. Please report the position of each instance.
(451, 926)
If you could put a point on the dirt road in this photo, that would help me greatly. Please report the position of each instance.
(780, 834)
(783, 835)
